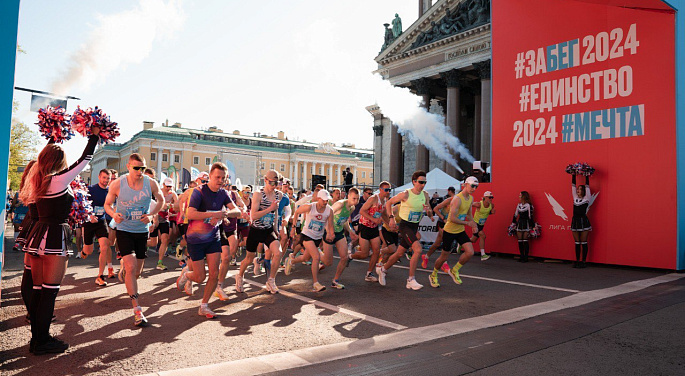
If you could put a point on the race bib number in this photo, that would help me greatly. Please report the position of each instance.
(315, 226)
(415, 216)
(461, 217)
(135, 214)
(481, 221)
(377, 214)
(341, 221)
(20, 217)
(98, 210)
(268, 219)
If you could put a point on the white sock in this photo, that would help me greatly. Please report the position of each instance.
(482, 252)
(109, 265)
(203, 305)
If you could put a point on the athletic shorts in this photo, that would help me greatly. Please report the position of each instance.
(305, 238)
(355, 227)
(97, 230)
(132, 242)
(368, 233)
(163, 228)
(243, 232)
(408, 233)
(391, 238)
(450, 241)
(338, 236)
(182, 228)
(198, 252)
(265, 236)
(298, 230)
(480, 228)
(441, 224)
(225, 235)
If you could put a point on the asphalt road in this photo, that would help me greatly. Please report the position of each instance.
(506, 318)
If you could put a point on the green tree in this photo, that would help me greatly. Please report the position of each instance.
(23, 143)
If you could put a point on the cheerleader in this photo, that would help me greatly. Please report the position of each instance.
(49, 239)
(24, 229)
(523, 218)
(580, 224)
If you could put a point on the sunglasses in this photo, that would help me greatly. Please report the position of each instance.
(387, 189)
(139, 168)
(490, 197)
(204, 181)
(272, 182)
(474, 186)
(421, 181)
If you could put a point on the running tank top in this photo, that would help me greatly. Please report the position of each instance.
(482, 214)
(267, 221)
(342, 217)
(412, 209)
(315, 223)
(375, 211)
(133, 205)
(462, 213)
(164, 214)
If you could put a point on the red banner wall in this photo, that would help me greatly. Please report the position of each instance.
(579, 81)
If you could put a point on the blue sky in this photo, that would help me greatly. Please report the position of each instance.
(303, 67)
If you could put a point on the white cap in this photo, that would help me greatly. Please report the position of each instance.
(203, 175)
(323, 194)
(471, 180)
(488, 194)
(168, 182)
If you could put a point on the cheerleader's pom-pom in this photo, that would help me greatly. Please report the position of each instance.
(511, 230)
(109, 130)
(53, 123)
(570, 169)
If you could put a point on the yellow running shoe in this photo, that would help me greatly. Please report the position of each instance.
(455, 276)
(434, 280)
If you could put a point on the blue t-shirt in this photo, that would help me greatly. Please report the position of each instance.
(285, 201)
(98, 196)
(205, 200)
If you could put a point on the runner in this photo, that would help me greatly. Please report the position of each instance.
(441, 210)
(413, 204)
(263, 214)
(244, 224)
(49, 189)
(229, 243)
(163, 225)
(484, 209)
(369, 220)
(354, 221)
(523, 218)
(283, 218)
(318, 218)
(112, 235)
(341, 217)
(206, 212)
(460, 214)
(132, 215)
(97, 226)
(389, 236)
(580, 223)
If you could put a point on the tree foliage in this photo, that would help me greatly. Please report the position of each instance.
(23, 143)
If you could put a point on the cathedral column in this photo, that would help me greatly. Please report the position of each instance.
(330, 174)
(296, 167)
(451, 79)
(422, 86)
(483, 69)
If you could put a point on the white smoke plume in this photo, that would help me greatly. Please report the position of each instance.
(117, 40)
(422, 127)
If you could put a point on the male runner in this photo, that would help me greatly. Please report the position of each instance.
(441, 210)
(341, 217)
(163, 226)
(97, 227)
(455, 235)
(484, 209)
(413, 204)
(369, 236)
(229, 243)
(318, 218)
(132, 215)
(205, 214)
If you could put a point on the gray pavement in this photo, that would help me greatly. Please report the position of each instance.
(510, 318)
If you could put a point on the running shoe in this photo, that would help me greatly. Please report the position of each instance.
(413, 285)
(160, 265)
(139, 319)
(408, 255)
(122, 275)
(484, 257)
(179, 251)
(322, 266)
(349, 259)
(433, 278)
(317, 287)
(381, 275)
(445, 268)
(455, 276)
(188, 287)
(52, 346)
(271, 286)
(424, 261)
(257, 270)
(206, 312)
(182, 279)
(337, 285)
(232, 262)
(379, 266)
(239, 283)
(289, 264)
(221, 294)
(110, 273)
(100, 282)
(370, 277)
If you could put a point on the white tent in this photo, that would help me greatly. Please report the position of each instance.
(436, 181)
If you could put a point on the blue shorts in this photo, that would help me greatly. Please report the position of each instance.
(198, 252)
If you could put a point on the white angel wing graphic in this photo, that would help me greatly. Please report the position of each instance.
(558, 210)
(593, 197)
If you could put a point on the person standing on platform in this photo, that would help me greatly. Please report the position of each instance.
(133, 193)
(454, 235)
(484, 209)
(413, 204)
(349, 179)
(523, 219)
(580, 223)
(97, 227)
